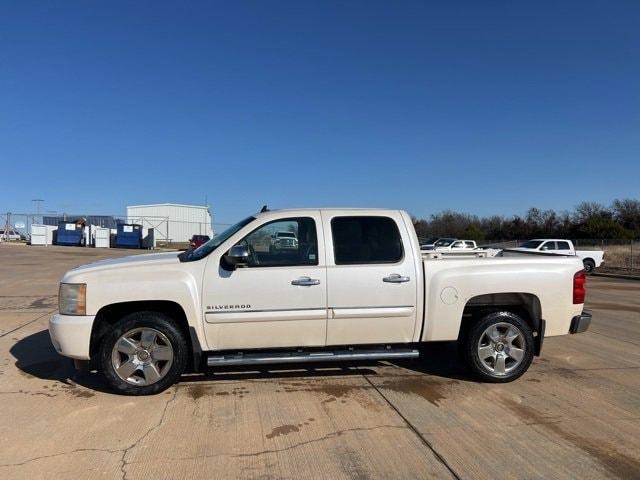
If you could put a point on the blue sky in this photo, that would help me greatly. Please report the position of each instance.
(482, 107)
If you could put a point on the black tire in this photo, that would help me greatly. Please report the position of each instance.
(589, 265)
(158, 322)
(472, 347)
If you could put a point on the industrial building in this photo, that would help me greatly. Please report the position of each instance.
(171, 221)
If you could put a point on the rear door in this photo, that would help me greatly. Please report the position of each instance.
(548, 247)
(371, 279)
(458, 245)
(563, 247)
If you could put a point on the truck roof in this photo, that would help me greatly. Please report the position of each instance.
(549, 240)
(346, 210)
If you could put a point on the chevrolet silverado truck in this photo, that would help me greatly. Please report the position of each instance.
(591, 259)
(356, 287)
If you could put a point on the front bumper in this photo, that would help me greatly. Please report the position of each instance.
(71, 334)
(580, 323)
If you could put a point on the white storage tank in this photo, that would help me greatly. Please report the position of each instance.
(172, 221)
(42, 234)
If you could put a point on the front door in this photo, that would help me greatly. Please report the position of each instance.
(372, 281)
(279, 299)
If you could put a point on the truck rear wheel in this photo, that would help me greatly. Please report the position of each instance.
(144, 353)
(499, 348)
(589, 265)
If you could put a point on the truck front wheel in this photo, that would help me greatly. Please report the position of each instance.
(144, 353)
(499, 348)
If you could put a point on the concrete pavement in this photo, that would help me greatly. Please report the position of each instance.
(575, 414)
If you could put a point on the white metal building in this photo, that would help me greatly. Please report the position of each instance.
(172, 221)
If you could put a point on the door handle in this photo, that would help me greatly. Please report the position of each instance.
(395, 278)
(305, 281)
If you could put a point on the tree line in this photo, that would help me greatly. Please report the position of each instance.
(592, 220)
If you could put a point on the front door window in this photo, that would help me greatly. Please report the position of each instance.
(287, 242)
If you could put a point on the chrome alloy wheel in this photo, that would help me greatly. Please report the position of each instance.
(142, 356)
(501, 348)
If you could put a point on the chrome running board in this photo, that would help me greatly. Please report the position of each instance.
(305, 357)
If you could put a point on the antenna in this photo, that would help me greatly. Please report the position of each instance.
(264, 209)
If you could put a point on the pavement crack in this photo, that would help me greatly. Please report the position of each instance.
(337, 433)
(123, 459)
(290, 447)
(28, 323)
(421, 437)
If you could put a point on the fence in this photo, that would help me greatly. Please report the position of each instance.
(167, 232)
(619, 255)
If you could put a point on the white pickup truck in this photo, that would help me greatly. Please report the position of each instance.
(591, 259)
(355, 287)
(456, 246)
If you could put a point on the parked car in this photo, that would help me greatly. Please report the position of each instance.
(10, 235)
(591, 259)
(198, 240)
(355, 288)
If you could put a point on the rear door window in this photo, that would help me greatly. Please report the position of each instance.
(365, 240)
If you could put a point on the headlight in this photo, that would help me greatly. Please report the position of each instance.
(72, 299)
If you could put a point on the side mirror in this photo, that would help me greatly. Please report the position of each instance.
(238, 256)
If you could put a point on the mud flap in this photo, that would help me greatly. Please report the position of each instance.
(539, 338)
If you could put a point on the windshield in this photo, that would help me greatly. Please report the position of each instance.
(206, 248)
(531, 244)
(444, 242)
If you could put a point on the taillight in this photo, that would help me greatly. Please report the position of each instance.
(579, 290)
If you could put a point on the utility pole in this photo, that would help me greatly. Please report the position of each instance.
(7, 226)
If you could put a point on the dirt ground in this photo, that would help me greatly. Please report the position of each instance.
(575, 414)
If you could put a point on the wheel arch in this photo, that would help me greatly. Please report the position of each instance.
(108, 315)
(526, 305)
